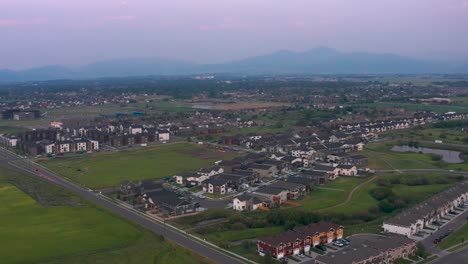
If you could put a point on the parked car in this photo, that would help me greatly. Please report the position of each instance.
(338, 244)
(321, 247)
(346, 240)
(343, 241)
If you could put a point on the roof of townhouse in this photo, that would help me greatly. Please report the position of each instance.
(273, 162)
(230, 177)
(283, 238)
(244, 173)
(316, 228)
(313, 173)
(419, 211)
(327, 168)
(344, 166)
(364, 247)
(269, 190)
(260, 166)
(215, 181)
(256, 198)
(167, 197)
(284, 185)
(318, 147)
(339, 154)
(301, 180)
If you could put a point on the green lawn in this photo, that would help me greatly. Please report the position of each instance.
(81, 233)
(382, 157)
(331, 194)
(455, 238)
(102, 170)
(251, 233)
(419, 107)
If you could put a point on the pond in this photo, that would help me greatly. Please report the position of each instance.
(448, 156)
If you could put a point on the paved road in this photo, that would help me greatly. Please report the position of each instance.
(454, 224)
(458, 257)
(24, 166)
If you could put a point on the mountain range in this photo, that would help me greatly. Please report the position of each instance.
(315, 61)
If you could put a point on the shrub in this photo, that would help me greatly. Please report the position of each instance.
(380, 193)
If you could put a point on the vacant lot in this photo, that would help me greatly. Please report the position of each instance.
(82, 233)
(103, 170)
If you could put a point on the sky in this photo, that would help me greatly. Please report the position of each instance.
(75, 32)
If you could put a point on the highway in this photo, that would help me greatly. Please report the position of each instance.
(17, 163)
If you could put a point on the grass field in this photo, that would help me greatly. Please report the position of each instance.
(456, 237)
(452, 135)
(381, 157)
(460, 108)
(102, 170)
(82, 233)
(329, 195)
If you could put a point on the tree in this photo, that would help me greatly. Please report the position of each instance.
(421, 250)
(267, 259)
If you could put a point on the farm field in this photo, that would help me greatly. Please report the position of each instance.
(71, 232)
(452, 135)
(102, 170)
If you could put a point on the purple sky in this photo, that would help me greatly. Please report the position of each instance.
(74, 32)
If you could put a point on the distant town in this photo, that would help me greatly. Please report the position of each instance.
(290, 169)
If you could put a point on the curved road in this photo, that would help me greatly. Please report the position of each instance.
(14, 162)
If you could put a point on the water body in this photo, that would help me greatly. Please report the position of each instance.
(448, 156)
(203, 106)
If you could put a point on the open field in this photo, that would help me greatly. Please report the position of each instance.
(247, 105)
(103, 170)
(456, 237)
(461, 108)
(78, 233)
(382, 158)
(330, 194)
(447, 135)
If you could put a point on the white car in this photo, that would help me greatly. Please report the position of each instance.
(338, 244)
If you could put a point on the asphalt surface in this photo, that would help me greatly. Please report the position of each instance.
(454, 224)
(458, 257)
(24, 166)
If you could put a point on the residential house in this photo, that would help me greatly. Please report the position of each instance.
(264, 170)
(215, 186)
(249, 202)
(300, 240)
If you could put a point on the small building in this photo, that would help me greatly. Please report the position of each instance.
(249, 202)
(264, 170)
(215, 186)
(346, 170)
(274, 194)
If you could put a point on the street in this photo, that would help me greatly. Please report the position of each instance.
(458, 257)
(22, 165)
